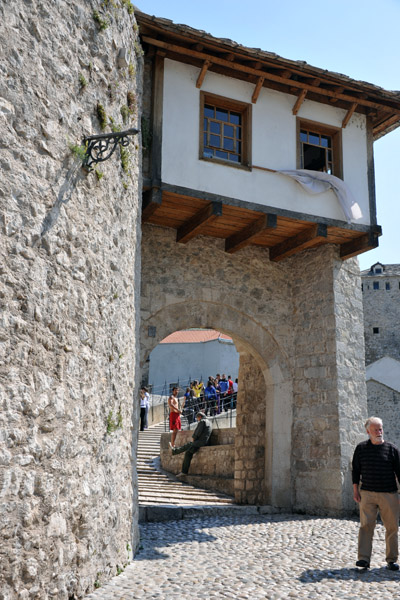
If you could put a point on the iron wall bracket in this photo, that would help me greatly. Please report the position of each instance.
(100, 147)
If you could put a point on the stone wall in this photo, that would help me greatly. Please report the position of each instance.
(70, 268)
(330, 394)
(297, 325)
(384, 402)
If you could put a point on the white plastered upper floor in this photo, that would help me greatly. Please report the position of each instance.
(273, 146)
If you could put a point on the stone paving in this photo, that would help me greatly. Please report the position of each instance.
(252, 557)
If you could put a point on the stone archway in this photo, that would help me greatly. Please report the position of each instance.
(264, 410)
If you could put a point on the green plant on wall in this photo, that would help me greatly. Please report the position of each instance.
(113, 425)
(131, 70)
(124, 159)
(82, 81)
(78, 150)
(128, 6)
(101, 115)
(131, 101)
(125, 112)
(101, 23)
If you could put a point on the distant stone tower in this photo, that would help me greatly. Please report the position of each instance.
(381, 300)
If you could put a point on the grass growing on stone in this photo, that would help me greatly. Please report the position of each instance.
(101, 115)
(101, 23)
(79, 151)
(114, 425)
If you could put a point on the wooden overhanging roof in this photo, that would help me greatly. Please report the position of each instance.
(239, 224)
(266, 69)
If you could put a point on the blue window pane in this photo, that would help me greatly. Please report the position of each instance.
(220, 154)
(221, 115)
(208, 153)
(228, 130)
(228, 144)
(215, 140)
(205, 124)
(239, 147)
(205, 139)
(209, 111)
(313, 138)
(215, 127)
(325, 141)
(376, 285)
(234, 157)
(235, 118)
(238, 133)
(303, 136)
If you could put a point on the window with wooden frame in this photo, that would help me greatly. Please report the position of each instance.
(319, 147)
(224, 130)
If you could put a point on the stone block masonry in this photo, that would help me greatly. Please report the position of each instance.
(69, 286)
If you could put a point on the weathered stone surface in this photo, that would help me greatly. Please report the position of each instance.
(69, 264)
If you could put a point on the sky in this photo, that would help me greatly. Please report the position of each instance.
(359, 38)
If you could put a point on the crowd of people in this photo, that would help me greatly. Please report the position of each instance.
(219, 395)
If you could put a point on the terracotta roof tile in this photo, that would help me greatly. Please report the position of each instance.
(194, 336)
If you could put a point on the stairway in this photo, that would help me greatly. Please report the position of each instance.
(158, 488)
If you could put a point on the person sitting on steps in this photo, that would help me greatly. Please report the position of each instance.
(201, 436)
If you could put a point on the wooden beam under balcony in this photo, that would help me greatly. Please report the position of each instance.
(359, 245)
(197, 223)
(299, 102)
(245, 237)
(305, 239)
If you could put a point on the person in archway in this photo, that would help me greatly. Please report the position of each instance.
(376, 464)
(174, 415)
(201, 436)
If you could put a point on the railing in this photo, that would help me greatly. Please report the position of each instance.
(213, 408)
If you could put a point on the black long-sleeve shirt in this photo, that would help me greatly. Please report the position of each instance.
(377, 465)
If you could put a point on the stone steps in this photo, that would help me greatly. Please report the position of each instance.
(158, 489)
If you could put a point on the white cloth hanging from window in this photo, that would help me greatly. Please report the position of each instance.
(316, 182)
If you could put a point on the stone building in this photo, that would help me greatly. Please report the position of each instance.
(235, 239)
(381, 301)
(225, 238)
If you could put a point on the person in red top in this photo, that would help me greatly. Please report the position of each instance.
(174, 415)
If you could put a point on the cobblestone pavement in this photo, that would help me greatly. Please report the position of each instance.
(252, 557)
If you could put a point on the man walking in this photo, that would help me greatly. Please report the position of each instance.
(174, 414)
(200, 437)
(377, 464)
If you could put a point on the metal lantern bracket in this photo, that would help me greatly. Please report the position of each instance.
(100, 147)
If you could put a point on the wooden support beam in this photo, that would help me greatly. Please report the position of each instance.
(152, 200)
(349, 114)
(316, 82)
(193, 227)
(230, 57)
(246, 69)
(202, 73)
(305, 239)
(359, 245)
(299, 102)
(198, 47)
(245, 237)
(256, 65)
(384, 124)
(257, 89)
(338, 90)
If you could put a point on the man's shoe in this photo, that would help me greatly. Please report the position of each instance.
(364, 564)
(392, 566)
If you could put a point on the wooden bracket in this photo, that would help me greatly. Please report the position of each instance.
(193, 227)
(311, 236)
(257, 89)
(299, 102)
(202, 73)
(245, 237)
(349, 114)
